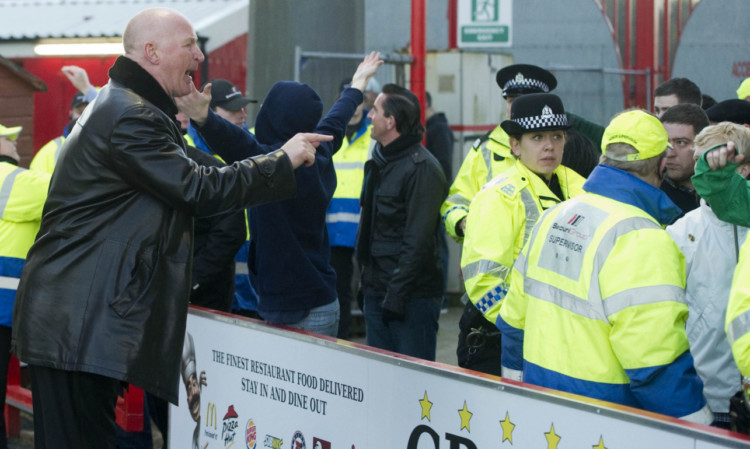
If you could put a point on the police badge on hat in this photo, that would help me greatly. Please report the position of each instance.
(522, 79)
(536, 112)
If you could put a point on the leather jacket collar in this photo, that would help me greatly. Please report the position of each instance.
(396, 149)
(130, 74)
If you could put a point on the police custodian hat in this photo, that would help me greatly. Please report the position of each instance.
(522, 79)
(535, 112)
(733, 110)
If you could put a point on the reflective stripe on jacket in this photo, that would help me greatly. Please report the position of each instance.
(46, 158)
(342, 217)
(499, 223)
(598, 292)
(738, 312)
(488, 158)
(22, 196)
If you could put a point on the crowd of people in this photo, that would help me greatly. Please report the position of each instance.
(606, 261)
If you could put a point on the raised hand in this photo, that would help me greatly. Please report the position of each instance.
(719, 156)
(366, 70)
(77, 77)
(195, 104)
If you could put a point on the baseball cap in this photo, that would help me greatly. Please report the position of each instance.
(522, 79)
(732, 110)
(11, 133)
(536, 112)
(78, 100)
(226, 95)
(744, 90)
(372, 85)
(637, 128)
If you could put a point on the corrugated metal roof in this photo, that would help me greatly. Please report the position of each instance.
(36, 19)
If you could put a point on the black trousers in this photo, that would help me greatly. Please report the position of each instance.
(73, 410)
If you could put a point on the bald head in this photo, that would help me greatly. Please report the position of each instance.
(149, 25)
(162, 41)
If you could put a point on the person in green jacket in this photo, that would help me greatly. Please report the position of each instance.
(717, 181)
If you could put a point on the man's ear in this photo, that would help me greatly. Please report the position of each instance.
(152, 53)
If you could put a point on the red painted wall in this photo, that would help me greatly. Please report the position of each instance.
(51, 108)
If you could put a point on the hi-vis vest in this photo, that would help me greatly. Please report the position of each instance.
(499, 223)
(22, 196)
(342, 217)
(488, 158)
(188, 139)
(738, 312)
(47, 156)
(599, 292)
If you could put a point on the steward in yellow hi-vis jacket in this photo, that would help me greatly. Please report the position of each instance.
(22, 196)
(596, 305)
(504, 211)
(491, 155)
(342, 217)
(738, 312)
(46, 158)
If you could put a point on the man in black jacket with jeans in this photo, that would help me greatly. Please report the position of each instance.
(398, 242)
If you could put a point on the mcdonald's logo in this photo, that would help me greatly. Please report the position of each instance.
(211, 415)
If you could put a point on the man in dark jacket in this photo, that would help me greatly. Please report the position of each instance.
(397, 241)
(292, 233)
(103, 296)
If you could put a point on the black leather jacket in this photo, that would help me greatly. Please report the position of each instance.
(106, 284)
(397, 241)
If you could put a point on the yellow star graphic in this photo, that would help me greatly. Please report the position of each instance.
(601, 443)
(426, 406)
(507, 428)
(552, 438)
(465, 417)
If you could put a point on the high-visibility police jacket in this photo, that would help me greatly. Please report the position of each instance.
(710, 249)
(599, 292)
(499, 222)
(489, 156)
(22, 196)
(46, 158)
(342, 216)
(738, 312)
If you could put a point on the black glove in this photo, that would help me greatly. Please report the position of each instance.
(739, 413)
(390, 315)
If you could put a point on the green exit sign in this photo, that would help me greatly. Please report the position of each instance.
(485, 34)
(484, 23)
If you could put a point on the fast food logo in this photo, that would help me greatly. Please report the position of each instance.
(251, 434)
(321, 444)
(211, 415)
(229, 426)
(298, 441)
(272, 442)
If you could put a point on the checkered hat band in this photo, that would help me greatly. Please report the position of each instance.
(542, 121)
(527, 82)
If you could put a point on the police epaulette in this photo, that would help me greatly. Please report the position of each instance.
(477, 143)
